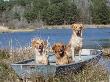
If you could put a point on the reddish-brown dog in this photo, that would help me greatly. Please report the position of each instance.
(61, 55)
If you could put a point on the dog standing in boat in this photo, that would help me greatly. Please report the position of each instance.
(76, 39)
(39, 46)
(60, 52)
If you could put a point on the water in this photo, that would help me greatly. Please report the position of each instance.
(91, 36)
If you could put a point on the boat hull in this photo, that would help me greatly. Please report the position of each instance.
(28, 67)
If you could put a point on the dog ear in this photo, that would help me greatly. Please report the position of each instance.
(33, 43)
(73, 26)
(53, 47)
(64, 46)
(82, 26)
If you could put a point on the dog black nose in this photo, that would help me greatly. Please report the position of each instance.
(40, 47)
(81, 27)
(61, 50)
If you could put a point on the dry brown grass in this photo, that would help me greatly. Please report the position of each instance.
(88, 74)
(8, 56)
(16, 55)
(21, 54)
(106, 51)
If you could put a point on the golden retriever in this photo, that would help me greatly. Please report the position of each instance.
(61, 55)
(76, 39)
(39, 46)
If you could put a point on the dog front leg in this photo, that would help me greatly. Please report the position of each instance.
(73, 54)
(80, 54)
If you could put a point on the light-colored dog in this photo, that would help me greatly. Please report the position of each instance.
(39, 46)
(76, 40)
(61, 55)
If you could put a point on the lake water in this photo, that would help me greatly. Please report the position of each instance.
(93, 37)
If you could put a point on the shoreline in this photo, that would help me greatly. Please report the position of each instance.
(5, 29)
(69, 26)
(22, 30)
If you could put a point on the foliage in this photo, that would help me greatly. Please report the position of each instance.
(30, 16)
(61, 13)
(16, 16)
(52, 12)
(100, 12)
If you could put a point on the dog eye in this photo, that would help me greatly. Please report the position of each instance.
(42, 43)
(81, 27)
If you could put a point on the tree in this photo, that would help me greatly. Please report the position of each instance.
(5, 8)
(53, 15)
(61, 12)
(30, 16)
(17, 16)
(23, 2)
(100, 12)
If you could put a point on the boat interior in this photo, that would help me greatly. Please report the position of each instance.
(86, 54)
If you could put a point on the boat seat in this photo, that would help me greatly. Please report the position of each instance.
(89, 52)
(52, 59)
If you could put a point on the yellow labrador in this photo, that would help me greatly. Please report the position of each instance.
(39, 47)
(76, 39)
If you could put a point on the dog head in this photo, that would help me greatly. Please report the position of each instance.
(59, 49)
(38, 44)
(77, 27)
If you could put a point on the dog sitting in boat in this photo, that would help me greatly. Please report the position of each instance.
(61, 55)
(39, 46)
(76, 39)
